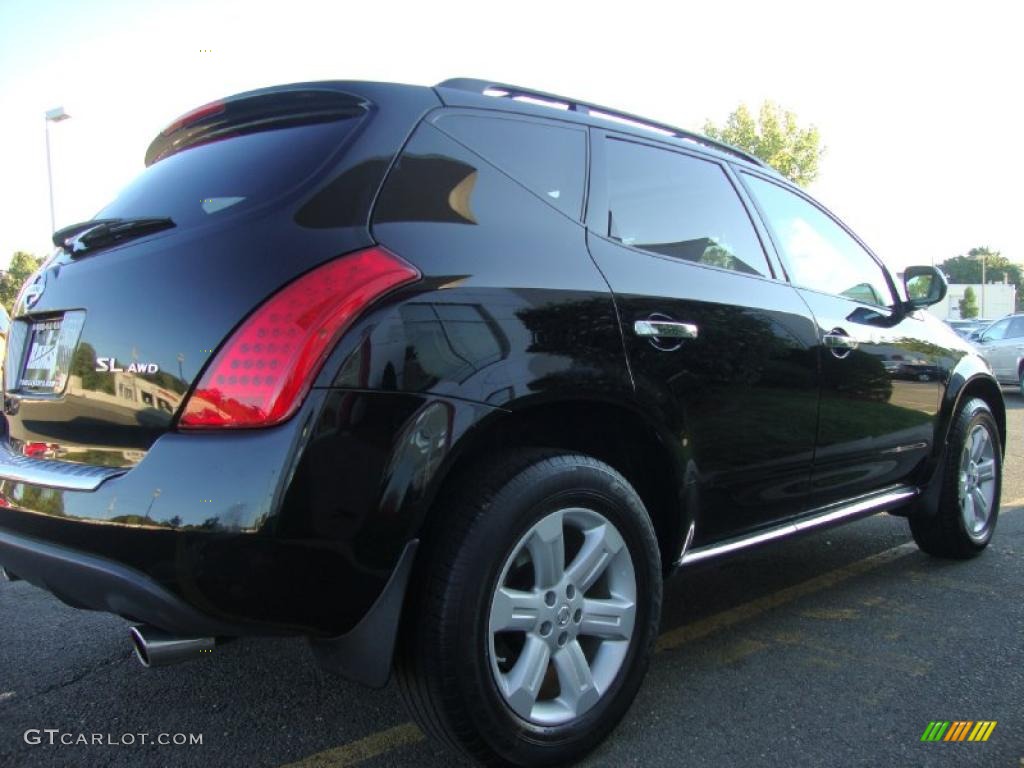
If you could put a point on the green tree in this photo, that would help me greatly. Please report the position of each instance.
(966, 268)
(18, 271)
(969, 304)
(775, 137)
(83, 364)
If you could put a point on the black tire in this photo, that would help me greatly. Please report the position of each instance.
(444, 668)
(1020, 381)
(945, 533)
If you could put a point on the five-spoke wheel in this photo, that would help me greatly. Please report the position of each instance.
(559, 633)
(977, 480)
(535, 612)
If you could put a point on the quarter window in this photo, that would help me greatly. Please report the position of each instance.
(547, 159)
(681, 206)
(819, 253)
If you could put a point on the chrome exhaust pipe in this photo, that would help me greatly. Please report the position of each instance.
(156, 648)
(6, 575)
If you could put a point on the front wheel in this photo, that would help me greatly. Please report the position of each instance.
(971, 486)
(530, 631)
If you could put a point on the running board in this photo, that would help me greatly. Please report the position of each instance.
(833, 515)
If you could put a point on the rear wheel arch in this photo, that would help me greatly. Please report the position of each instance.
(613, 433)
(461, 672)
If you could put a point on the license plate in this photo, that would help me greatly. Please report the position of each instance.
(44, 370)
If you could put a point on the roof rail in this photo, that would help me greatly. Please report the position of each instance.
(504, 90)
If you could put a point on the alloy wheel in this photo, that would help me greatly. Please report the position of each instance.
(977, 481)
(559, 633)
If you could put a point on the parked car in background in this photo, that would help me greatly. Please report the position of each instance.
(965, 328)
(1002, 346)
(976, 333)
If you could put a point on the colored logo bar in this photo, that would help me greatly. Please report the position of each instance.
(958, 730)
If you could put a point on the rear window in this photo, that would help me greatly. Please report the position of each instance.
(230, 174)
(547, 159)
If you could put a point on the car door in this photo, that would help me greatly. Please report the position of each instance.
(999, 346)
(721, 350)
(882, 368)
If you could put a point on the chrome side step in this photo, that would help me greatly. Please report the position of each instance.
(833, 515)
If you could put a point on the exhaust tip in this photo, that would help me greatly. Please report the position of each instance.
(139, 644)
(156, 648)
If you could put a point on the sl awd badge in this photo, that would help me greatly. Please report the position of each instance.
(109, 365)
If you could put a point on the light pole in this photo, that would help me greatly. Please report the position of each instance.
(54, 115)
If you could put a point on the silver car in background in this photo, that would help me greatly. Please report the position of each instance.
(1002, 346)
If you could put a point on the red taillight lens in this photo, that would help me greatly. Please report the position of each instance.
(266, 368)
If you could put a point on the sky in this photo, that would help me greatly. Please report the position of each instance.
(918, 104)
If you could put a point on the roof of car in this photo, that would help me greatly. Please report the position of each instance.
(489, 94)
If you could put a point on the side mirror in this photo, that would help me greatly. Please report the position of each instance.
(925, 286)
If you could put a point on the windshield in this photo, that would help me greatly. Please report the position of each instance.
(229, 174)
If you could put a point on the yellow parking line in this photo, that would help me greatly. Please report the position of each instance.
(401, 735)
(363, 749)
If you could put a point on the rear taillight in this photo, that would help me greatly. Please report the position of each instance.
(260, 376)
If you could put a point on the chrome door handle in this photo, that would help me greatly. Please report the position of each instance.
(665, 329)
(839, 343)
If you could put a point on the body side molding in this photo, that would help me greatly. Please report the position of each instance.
(832, 515)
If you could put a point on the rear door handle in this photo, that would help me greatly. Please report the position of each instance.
(839, 343)
(665, 329)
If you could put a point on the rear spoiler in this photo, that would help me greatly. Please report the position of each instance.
(262, 110)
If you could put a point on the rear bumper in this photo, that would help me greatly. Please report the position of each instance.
(87, 581)
(184, 540)
(362, 654)
(264, 532)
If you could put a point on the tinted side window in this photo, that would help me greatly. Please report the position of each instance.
(819, 253)
(996, 331)
(676, 205)
(547, 159)
(1016, 328)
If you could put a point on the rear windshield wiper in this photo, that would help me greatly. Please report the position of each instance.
(98, 233)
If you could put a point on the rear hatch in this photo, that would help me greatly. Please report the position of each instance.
(110, 336)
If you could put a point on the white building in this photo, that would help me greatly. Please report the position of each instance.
(996, 300)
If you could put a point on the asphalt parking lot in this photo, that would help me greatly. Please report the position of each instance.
(833, 650)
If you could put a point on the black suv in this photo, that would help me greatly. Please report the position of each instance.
(451, 379)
